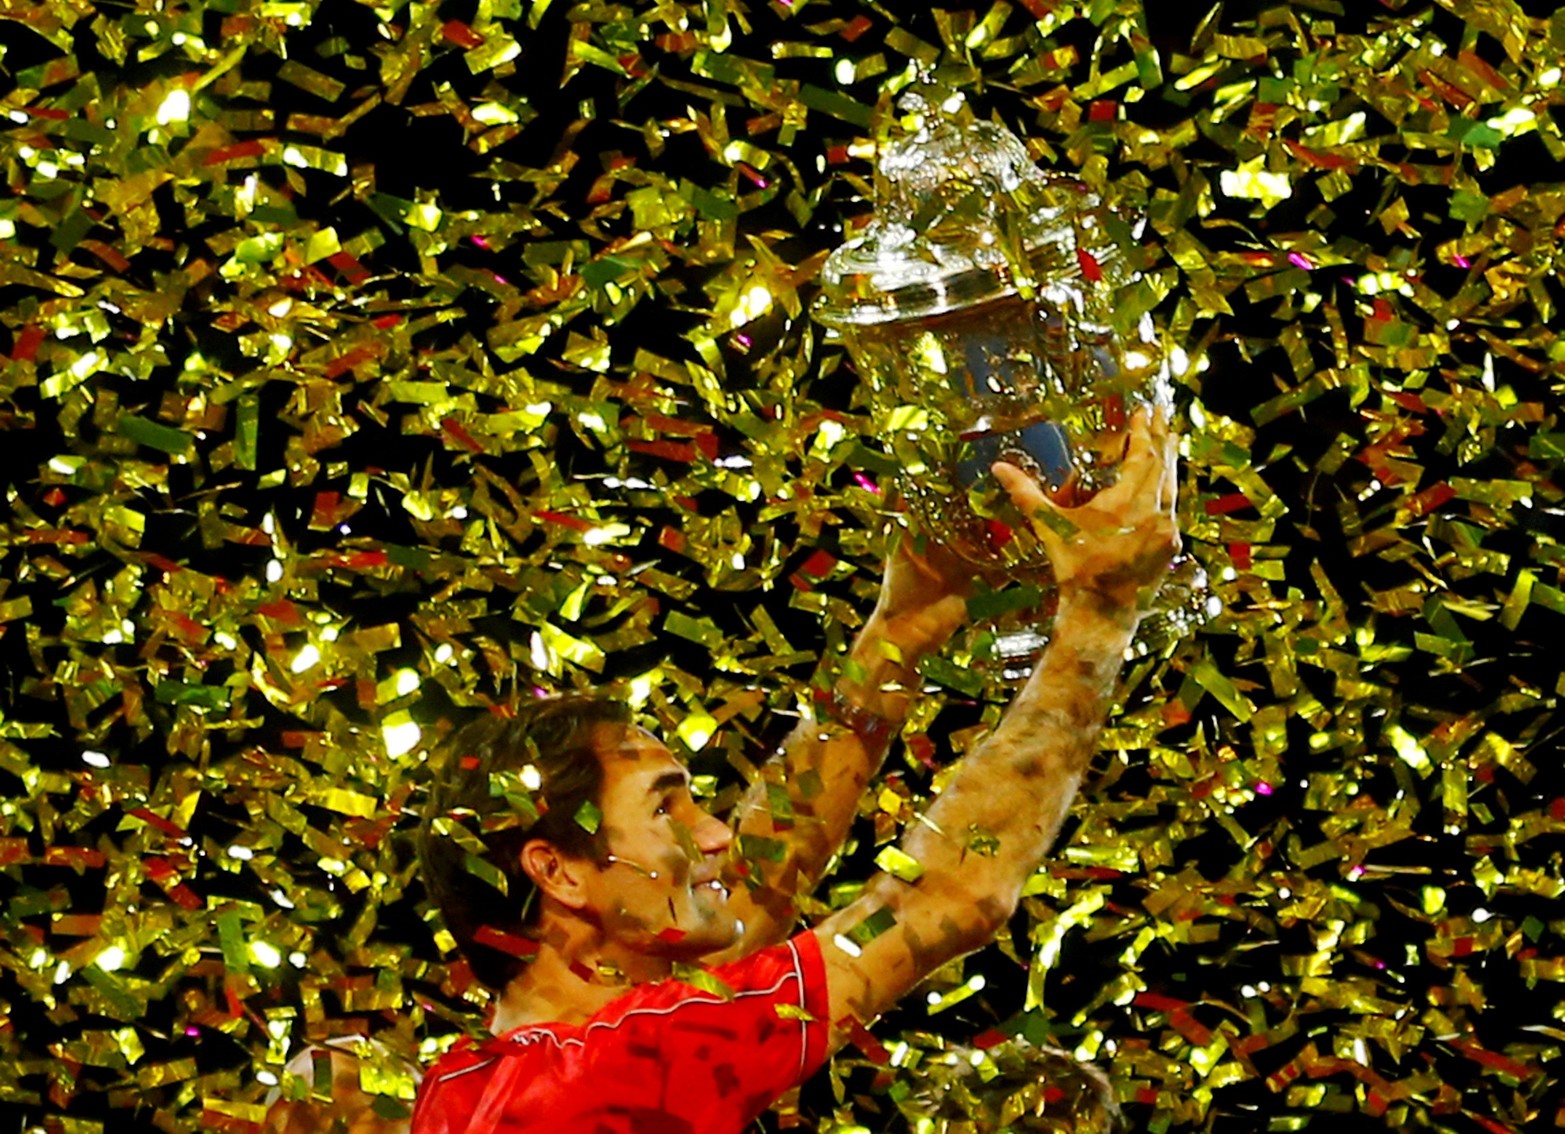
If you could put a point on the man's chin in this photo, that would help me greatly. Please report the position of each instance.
(713, 937)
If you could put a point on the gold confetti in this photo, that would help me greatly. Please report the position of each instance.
(362, 378)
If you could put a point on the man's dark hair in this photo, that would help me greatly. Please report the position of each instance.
(481, 791)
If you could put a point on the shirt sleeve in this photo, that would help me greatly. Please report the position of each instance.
(716, 1057)
(790, 982)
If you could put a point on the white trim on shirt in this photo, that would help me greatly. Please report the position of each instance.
(527, 1035)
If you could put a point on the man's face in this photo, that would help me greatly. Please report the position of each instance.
(659, 893)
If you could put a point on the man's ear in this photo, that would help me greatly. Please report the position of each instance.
(557, 875)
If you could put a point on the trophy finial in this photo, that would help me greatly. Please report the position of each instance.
(962, 217)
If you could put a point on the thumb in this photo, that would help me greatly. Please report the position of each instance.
(1048, 518)
(1024, 490)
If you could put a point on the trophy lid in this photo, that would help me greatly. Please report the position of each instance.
(962, 217)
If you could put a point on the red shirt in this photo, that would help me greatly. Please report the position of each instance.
(665, 1058)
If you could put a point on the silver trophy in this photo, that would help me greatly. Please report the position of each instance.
(987, 308)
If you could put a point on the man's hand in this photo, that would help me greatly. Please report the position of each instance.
(923, 594)
(1118, 544)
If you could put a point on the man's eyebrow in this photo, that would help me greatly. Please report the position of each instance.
(668, 781)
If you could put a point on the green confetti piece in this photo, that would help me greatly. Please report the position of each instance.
(231, 938)
(702, 631)
(899, 864)
(994, 604)
(872, 926)
(1206, 674)
(486, 871)
(836, 104)
(247, 428)
(760, 848)
(940, 670)
(154, 435)
(588, 817)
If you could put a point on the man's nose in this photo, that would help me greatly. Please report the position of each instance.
(712, 835)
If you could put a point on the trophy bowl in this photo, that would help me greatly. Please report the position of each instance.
(985, 307)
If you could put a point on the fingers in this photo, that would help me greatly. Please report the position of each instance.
(1145, 455)
(1168, 497)
(1025, 492)
(1148, 472)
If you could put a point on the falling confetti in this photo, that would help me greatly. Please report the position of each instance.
(370, 366)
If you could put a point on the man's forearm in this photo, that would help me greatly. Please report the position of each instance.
(799, 812)
(1003, 808)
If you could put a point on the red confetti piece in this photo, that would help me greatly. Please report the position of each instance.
(515, 945)
(161, 562)
(452, 427)
(281, 611)
(353, 271)
(27, 343)
(1232, 502)
(167, 826)
(923, 750)
(1318, 159)
(1429, 499)
(324, 515)
(109, 255)
(677, 42)
(358, 560)
(73, 857)
(861, 1038)
(252, 148)
(668, 450)
(455, 31)
(351, 359)
(819, 564)
(1493, 1059)
(1407, 401)
(575, 523)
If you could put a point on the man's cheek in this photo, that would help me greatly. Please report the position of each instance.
(687, 845)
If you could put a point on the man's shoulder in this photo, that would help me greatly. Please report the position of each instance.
(776, 971)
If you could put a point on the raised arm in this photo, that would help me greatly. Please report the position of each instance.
(797, 814)
(990, 828)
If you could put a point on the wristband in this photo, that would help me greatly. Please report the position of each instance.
(873, 730)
